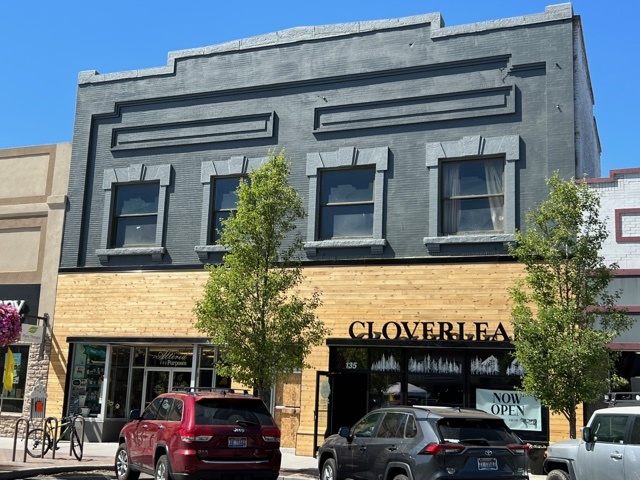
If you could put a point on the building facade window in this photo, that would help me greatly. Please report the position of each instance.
(473, 197)
(135, 215)
(225, 200)
(16, 361)
(472, 191)
(346, 199)
(219, 199)
(134, 211)
(346, 203)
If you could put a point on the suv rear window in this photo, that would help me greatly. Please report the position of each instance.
(227, 411)
(483, 432)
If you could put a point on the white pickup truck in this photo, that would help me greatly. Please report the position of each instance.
(608, 450)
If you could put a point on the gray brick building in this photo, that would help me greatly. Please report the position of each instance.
(412, 143)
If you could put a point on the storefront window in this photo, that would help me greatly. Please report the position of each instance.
(208, 358)
(139, 356)
(496, 363)
(436, 364)
(13, 398)
(386, 359)
(87, 379)
(385, 389)
(118, 382)
(349, 358)
(137, 380)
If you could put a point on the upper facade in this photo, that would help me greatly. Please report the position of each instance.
(408, 139)
(620, 209)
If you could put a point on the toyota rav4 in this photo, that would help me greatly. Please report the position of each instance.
(425, 443)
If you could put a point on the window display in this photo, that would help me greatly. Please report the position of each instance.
(16, 376)
(87, 380)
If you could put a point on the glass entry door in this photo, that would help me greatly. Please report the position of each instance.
(161, 380)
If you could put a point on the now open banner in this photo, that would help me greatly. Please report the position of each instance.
(519, 411)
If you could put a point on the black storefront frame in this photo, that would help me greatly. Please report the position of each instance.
(346, 382)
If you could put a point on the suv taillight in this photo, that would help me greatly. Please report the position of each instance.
(271, 434)
(521, 449)
(441, 448)
(190, 436)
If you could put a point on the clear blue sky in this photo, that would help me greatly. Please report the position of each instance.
(45, 44)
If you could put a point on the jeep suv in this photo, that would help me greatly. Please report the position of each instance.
(609, 448)
(426, 443)
(193, 434)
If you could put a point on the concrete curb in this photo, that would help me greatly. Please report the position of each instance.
(54, 470)
(51, 470)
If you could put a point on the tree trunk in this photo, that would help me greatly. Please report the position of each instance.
(572, 423)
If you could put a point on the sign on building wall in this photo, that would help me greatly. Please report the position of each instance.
(519, 411)
(31, 333)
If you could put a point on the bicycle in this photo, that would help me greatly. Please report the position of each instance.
(41, 440)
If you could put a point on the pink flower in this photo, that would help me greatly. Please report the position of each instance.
(10, 325)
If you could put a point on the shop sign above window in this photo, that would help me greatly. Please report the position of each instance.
(169, 358)
(475, 331)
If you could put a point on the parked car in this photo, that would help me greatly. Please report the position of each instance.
(426, 443)
(194, 434)
(609, 448)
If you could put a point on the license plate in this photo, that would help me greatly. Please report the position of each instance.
(487, 464)
(237, 442)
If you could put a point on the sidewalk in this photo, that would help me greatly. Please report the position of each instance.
(100, 456)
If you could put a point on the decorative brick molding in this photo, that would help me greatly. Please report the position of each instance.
(633, 215)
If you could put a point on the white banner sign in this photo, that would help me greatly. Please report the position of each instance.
(519, 411)
(31, 333)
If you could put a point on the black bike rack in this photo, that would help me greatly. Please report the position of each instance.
(15, 438)
(51, 425)
(78, 418)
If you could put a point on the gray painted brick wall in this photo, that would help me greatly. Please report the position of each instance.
(397, 84)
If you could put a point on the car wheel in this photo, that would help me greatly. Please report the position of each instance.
(123, 467)
(558, 475)
(163, 470)
(329, 470)
(401, 476)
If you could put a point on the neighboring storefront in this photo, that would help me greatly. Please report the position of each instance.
(620, 208)
(24, 299)
(110, 377)
(32, 201)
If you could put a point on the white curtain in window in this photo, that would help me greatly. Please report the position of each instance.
(451, 213)
(493, 175)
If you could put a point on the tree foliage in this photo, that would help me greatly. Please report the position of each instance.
(564, 314)
(251, 306)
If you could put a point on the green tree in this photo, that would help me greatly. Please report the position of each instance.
(250, 305)
(563, 313)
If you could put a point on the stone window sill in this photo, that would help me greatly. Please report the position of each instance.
(433, 243)
(155, 252)
(376, 245)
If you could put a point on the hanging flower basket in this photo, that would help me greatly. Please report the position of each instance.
(10, 325)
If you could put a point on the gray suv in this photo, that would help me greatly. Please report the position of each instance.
(425, 443)
(609, 448)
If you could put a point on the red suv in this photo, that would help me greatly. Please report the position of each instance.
(193, 434)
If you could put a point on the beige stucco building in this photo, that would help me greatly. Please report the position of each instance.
(33, 189)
